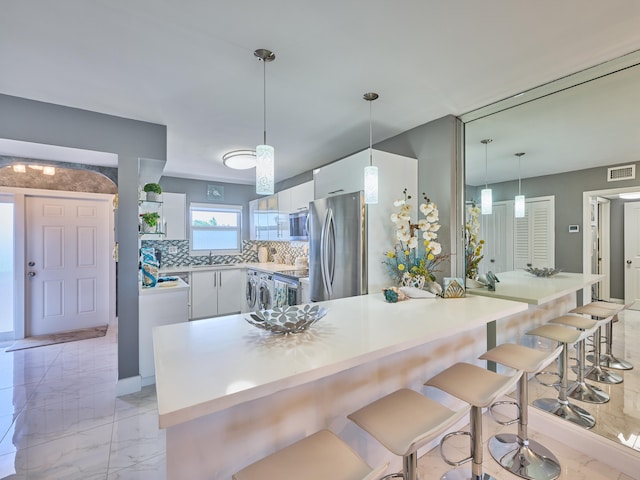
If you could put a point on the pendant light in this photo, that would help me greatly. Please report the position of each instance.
(370, 171)
(486, 202)
(519, 203)
(264, 153)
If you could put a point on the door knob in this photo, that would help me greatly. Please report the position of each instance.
(629, 262)
(32, 264)
(32, 274)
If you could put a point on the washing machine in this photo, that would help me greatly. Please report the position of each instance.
(265, 292)
(251, 291)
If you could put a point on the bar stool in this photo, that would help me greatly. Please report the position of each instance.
(479, 388)
(517, 453)
(601, 311)
(317, 457)
(579, 389)
(404, 421)
(561, 406)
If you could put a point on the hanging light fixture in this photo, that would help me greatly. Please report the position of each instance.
(370, 171)
(519, 203)
(264, 153)
(486, 202)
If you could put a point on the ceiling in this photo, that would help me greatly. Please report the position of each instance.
(189, 65)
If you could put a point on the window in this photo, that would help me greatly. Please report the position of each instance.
(215, 227)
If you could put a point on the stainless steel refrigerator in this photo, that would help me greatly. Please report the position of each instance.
(337, 247)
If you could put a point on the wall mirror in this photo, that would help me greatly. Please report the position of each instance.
(574, 132)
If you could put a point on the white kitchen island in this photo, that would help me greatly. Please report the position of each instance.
(229, 393)
(547, 298)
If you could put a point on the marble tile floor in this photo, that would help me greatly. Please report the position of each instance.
(60, 419)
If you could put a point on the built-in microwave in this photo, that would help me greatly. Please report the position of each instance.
(298, 225)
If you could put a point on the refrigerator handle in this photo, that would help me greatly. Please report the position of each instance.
(331, 264)
(324, 240)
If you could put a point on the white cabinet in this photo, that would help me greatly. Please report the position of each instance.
(301, 195)
(263, 218)
(534, 236)
(158, 306)
(343, 176)
(305, 291)
(216, 292)
(174, 210)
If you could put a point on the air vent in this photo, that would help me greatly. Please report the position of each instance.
(626, 172)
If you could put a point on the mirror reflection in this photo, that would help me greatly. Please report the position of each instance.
(570, 149)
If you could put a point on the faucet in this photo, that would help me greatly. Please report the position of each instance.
(210, 258)
(492, 280)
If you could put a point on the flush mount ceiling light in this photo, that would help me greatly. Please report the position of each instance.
(265, 153)
(519, 205)
(240, 159)
(370, 171)
(486, 202)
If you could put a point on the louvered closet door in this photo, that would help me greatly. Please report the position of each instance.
(534, 235)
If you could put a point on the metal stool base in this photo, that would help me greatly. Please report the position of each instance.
(609, 361)
(597, 374)
(465, 474)
(566, 411)
(533, 461)
(587, 393)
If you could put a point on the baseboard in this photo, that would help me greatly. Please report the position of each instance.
(618, 456)
(128, 385)
(148, 380)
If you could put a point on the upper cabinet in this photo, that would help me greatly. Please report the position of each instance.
(263, 218)
(343, 176)
(301, 195)
(174, 209)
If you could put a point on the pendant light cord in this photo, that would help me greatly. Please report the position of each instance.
(519, 174)
(485, 166)
(370, 135)
(264, 98)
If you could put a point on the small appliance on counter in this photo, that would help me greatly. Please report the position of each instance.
(263, 254)
(298, 225)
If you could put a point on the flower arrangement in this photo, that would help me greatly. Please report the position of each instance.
(473, 246)
(406, 262)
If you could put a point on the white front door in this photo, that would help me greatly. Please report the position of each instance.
(67, 256)
(632, 254)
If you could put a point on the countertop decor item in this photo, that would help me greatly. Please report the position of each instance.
(393, 295)
(472, 244)
(289, 319)
(412, 262)
(542, 272)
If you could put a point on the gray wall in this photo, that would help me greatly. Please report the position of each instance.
(435, 145)
(568, 189)
(39, 122)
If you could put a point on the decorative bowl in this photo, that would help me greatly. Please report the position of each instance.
(542, 272)
(289, 319)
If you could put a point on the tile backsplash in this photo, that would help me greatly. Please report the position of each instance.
(249, 252)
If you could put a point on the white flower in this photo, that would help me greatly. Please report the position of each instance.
(423, 224)
(404, 216)
(435, 247)
(429, 235)
(403, 225)
(426, 208)
(394, 217)
(398, 203)
(403, 236)
(434, 227)
(432, 217)
(413, 242)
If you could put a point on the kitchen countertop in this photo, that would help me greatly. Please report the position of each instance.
(160, 288)
(356, 330)
(269, 267)
(521, 286)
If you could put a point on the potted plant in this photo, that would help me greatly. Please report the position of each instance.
(150, 222)
(153, 191)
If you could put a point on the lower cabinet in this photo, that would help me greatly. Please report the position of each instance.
(216, 292)
(158, 306)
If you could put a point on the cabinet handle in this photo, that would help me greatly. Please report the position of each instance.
(215, 279)
(220, 273)
(336, 191)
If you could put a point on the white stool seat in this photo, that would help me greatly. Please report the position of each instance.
(405, 420)
(472, 384)
(317, 457)
(520, 357)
